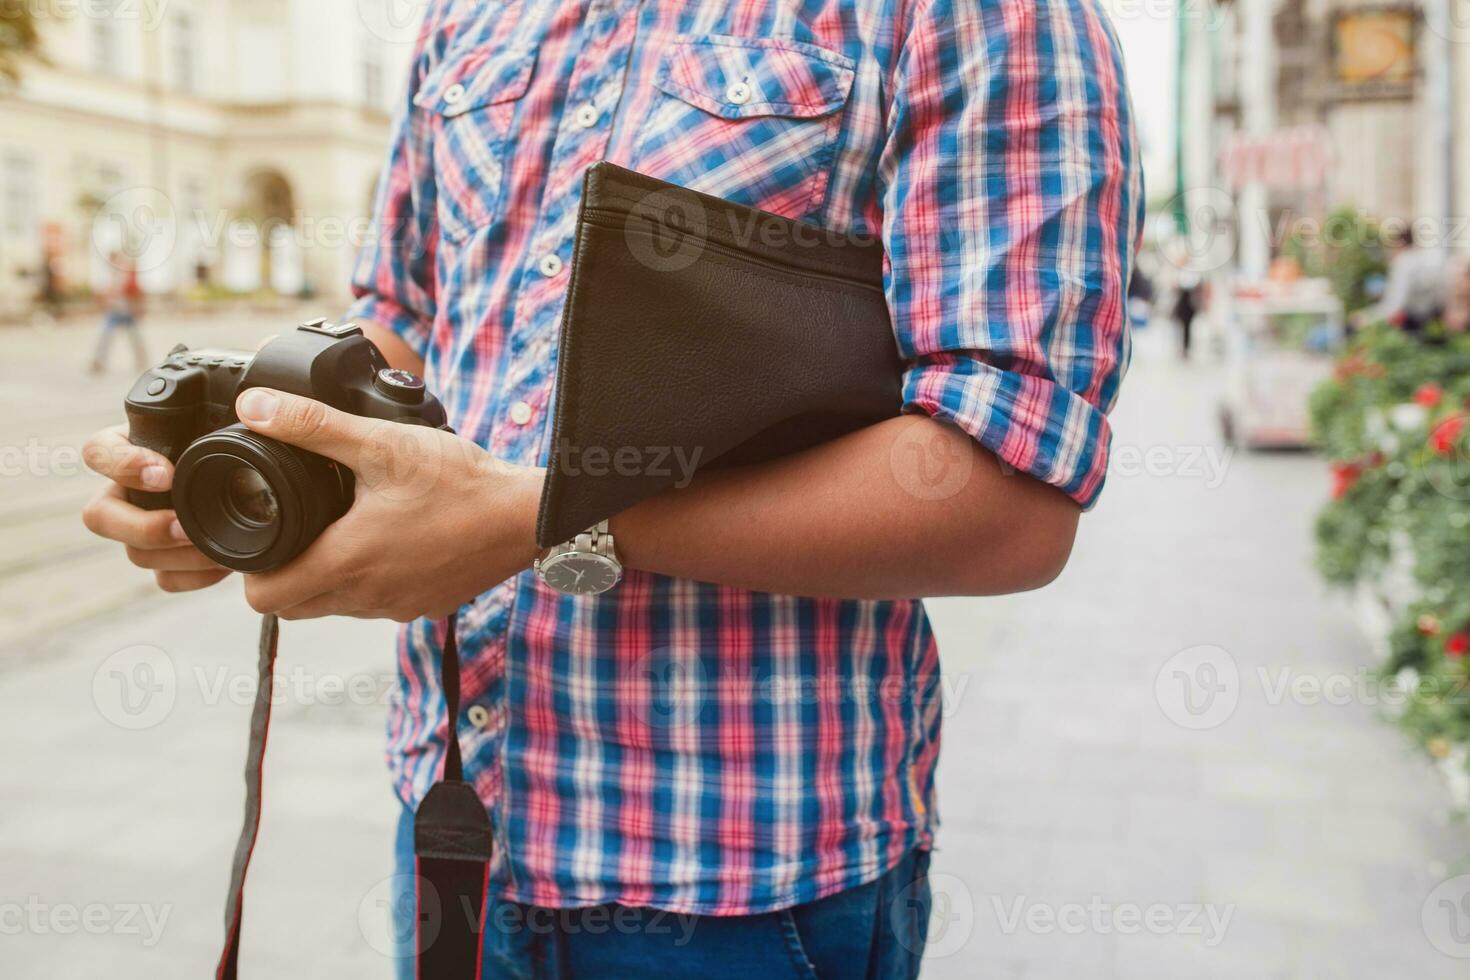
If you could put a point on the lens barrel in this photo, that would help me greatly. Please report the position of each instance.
(251, 503)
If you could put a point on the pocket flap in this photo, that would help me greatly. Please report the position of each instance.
(476, 80)
(738, 77)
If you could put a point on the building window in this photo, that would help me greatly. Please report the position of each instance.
(185, 42)
(372, 73)
(20, 195)
(105, 48)
(109, 179)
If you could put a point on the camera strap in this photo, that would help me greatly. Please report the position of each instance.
(452, 836)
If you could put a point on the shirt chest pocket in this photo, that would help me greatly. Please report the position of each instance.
(752, 120)
(469, 105)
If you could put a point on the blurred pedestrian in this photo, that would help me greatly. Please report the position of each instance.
(1414, 295)
(48, 288)
(122, 306)
(1187, 303)
(1140, 299)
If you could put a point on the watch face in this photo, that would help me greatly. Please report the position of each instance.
(581, 574)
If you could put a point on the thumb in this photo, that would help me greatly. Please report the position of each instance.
(303, 422)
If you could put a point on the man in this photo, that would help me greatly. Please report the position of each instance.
(122, 304)
(642, 748)
(1414, 294)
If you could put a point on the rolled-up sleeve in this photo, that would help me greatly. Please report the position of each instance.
(393, 278)
(1012, 197)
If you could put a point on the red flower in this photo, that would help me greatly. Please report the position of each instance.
(1457, 645)
(1429, 395)
(1447, 434)
(1344, 475)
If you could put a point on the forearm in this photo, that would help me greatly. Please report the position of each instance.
(904, 509)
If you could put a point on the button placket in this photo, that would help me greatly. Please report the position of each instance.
(597, 78)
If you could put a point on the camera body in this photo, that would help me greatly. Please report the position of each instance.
(249, 502)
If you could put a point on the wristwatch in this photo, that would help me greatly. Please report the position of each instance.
(585, 565)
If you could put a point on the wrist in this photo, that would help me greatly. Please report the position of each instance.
(525, 503)
(504, 519)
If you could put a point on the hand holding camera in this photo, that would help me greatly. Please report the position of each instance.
(313, 465)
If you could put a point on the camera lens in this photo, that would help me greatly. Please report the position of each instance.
(250, 498)
(251, 503)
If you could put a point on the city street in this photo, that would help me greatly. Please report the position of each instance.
(1174, 762)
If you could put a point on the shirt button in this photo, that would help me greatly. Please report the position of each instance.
(550, 264)
(738, 93)
(587, 116)
(479, 716)
(520, 413)
(453, 94)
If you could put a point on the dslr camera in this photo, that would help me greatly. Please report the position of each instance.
(249, 502)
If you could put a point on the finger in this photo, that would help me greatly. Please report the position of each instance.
(182, 559)
(110, 453)
(109, 515)
(319, 607)
(318, 571)
(189, 581)
(304, 422)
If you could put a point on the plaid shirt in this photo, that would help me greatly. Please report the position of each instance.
(675, 743)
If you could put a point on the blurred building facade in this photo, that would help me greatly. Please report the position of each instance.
(1290, 108)
(232, 144)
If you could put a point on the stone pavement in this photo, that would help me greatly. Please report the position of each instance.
(1138, 780)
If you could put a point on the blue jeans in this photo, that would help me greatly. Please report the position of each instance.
(876, 931)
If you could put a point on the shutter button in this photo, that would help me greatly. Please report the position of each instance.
(403, 387)
(738, 93)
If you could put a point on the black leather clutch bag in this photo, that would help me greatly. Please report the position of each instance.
(698, 332)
